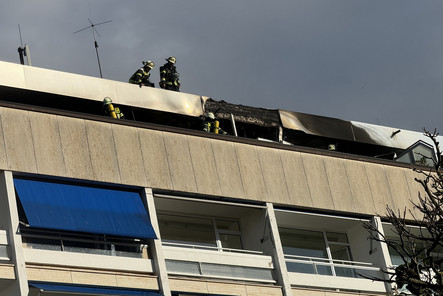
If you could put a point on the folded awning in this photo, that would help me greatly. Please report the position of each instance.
(84, 209)
(90, 290)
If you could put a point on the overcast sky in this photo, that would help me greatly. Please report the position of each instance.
(373, 61)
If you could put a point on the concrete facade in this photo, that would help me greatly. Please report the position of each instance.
(117, 154)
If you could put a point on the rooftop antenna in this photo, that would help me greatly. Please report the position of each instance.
(24, 51)
(94, 31)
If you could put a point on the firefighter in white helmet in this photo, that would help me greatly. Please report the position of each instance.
(211, 124)
(110, 110)
(141, 76)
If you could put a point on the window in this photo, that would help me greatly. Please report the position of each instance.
(419, 153)
(316, 252)
(205, 232)
(418, 248)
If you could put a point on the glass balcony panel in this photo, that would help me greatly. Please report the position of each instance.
(182, 267)
(236, 272)
(345, 272)
(308, 268)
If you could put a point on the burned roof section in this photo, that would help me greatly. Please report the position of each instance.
(245, 114)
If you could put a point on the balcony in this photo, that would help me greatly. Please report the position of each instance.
(325, 251)
(213, 239)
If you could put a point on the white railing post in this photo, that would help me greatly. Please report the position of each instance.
(279, 257)
(10, 221)
(156, 246)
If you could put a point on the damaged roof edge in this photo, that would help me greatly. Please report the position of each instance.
(351, 130)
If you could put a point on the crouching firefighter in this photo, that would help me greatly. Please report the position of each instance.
(110, 110)
(141, 76)
(211, 125)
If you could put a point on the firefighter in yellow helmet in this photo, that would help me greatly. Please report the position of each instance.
(169, 76)
(141, 76)
(110, 110)
(211, 124)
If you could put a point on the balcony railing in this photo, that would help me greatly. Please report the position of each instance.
(331, 267)
(211, 248)
(83, 243)
(223, 263)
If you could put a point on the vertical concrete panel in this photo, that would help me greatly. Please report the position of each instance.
(225, 288)
(361, 192)
(228, 170)
(339, 184)
(184, 285)
(378, 183)
(103, 154)
(155, 159)
(317, 181)
(251, 172)
(253, 290)
(296, 180)
(273, 175)
(3, 159)
(399, 189)
(75, 147)
(47, 144)
(129, 155)
(306, 292)
(9, 219)
(203, 162)
(180, 164)
(18, 140)
(415, 189)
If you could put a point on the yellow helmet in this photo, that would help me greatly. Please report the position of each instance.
(149, 64)
(171, 60)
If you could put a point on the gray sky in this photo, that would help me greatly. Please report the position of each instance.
(373, 61)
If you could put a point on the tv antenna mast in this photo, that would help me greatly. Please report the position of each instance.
(94, 31)
(24, 51)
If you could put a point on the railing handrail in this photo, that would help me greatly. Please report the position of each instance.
(193, 246)
(325, 261)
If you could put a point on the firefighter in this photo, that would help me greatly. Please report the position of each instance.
(141, 76)
(110, 110)
(169, 76)
(211, 125)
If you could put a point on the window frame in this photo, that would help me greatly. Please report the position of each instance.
(216, 230)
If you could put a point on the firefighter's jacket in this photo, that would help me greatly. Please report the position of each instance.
(169, 78)
(141, 77)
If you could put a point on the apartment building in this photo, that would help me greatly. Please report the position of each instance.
(152, 205)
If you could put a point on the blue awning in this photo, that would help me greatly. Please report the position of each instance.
(84, 209)
(90, 290)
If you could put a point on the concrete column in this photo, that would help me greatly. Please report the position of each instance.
(380, 250)
(156, 246)
(281, 273)
(10, 222)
